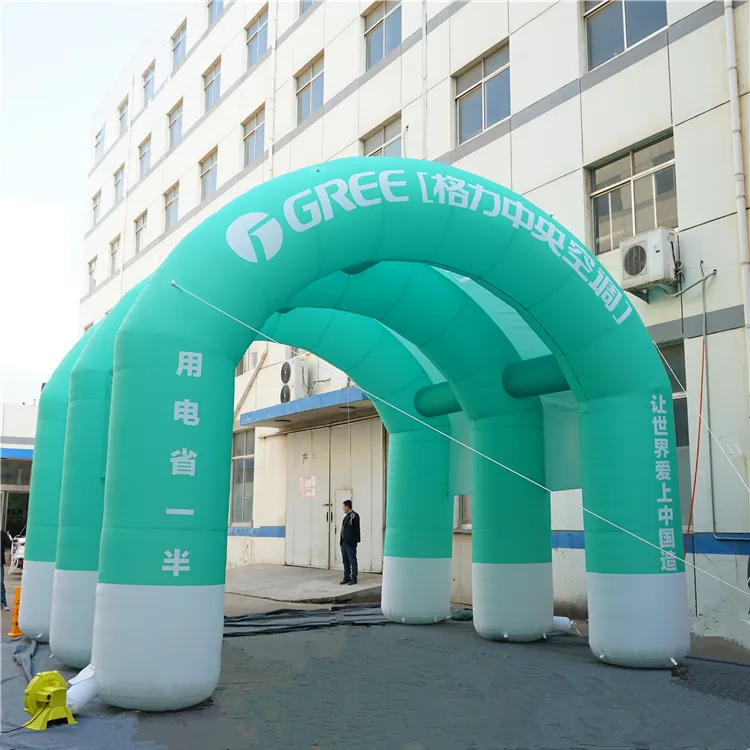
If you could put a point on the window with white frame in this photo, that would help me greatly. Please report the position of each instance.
(257, 37)
(119, 178)
(673, 355)
(171, 206)
(212, 85)
(122, 116)
(253, 132)
(208, 174)
(144, 156)
(634, 193)
(215, 9)
(386, 141)
(92, 275)
(99, 145)
(305, 5)
(614, 25)
(96, 206)
(382, 31)
(243, 475)
(114, 255)
(148, 84)
(140, 232)
(483, 94)
(248, 363)
(175, 125)
(179, 46)
(310, 90)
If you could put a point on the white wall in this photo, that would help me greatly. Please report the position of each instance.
(19, 421)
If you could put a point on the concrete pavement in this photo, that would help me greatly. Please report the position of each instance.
(284, 583)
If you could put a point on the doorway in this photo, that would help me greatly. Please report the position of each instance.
(325, 467)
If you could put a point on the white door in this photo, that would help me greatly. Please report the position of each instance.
(307, 502)
(357, 475)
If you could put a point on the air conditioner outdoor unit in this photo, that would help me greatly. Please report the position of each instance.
(649, 259)
(293, 380)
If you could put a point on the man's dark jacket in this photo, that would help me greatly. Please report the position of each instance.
(350, 529)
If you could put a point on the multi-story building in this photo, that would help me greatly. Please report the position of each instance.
(615, 117)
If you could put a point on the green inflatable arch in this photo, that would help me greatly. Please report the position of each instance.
(163, 543)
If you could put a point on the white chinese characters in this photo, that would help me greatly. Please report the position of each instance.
(186, 412)
(176, 562)
(183, 462)
(451, 191)
(663, 475)
(191, 363)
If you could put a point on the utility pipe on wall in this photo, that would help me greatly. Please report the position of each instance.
(739, 174)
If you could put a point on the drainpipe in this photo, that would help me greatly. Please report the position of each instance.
(253, 378)
(424, 79)
(126, 178)
(273, 34)
(739, 175)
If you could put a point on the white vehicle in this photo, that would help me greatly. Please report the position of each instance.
(17, 553)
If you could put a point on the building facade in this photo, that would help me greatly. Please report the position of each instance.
(614, 117)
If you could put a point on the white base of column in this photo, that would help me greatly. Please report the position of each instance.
(72, 625)
(35, 612)
(638, 620)
(157, 648)
(416, 591)
(512, 602)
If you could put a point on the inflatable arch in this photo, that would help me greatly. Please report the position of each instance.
(44, 498)
(273, 249)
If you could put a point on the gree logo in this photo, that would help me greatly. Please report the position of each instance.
(253, 230)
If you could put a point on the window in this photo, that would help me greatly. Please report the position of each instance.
(310, 90)
(175, 125)
(212, 85)
(633, 194)
(674, 354)
(248, 363)
(148, 84)
(305, 5)
(386, 141)
(171, 206)
(208, 175)
(114, 255)
(179, 46)
(290, 352)
(215, 8)
(140, 232)
(382, 31)
(462, 517)
(614, 25)
(257, 38)
(243, 473)
(144, 156)
(96, 206)
(483, 94)
(120, 184)
(99, 145)
(92, 275)
(122, 113)
(253, 129)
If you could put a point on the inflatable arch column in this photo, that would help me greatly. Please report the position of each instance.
(82, 494)
(250, 259)
(511, 525)
(44, 499)
(377, 360)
